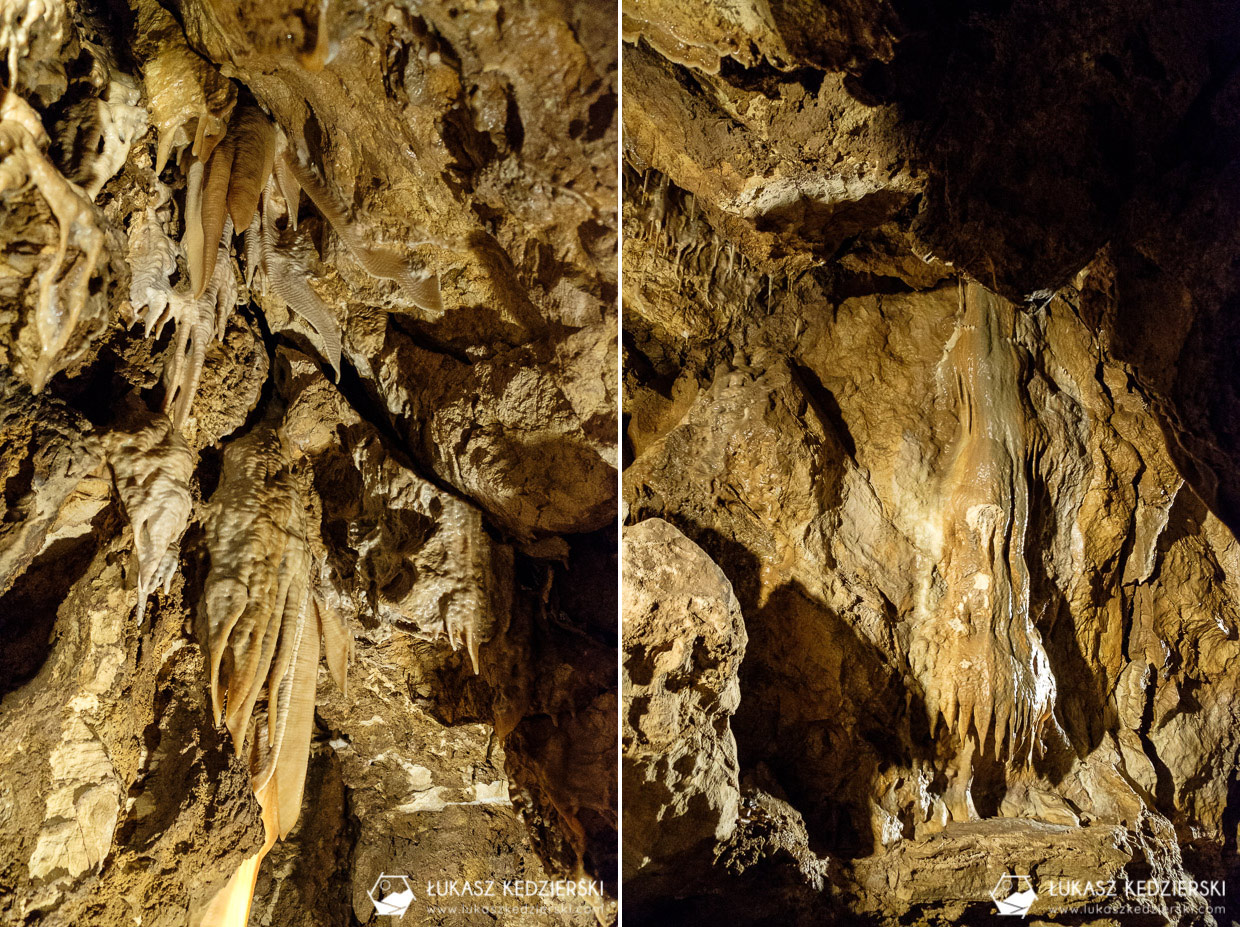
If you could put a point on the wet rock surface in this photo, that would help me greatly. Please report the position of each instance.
(449, 479)
(914, 354)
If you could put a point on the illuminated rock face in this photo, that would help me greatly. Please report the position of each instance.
(939, 380)
(307, 348)
(974, 648)
(685, 640)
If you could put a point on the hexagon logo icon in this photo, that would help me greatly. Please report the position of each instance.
(1014, 895)
(391, 894)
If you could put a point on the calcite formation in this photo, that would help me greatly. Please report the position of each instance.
(301, 492)
(928, 319)
(151, 466)
(25, 162)
(190, 100)
(974, 647)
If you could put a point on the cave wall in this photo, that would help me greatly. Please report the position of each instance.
(450, 459)
(929, 453)
(927, 315)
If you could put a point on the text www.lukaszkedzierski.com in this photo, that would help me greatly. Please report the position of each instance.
(498, 909)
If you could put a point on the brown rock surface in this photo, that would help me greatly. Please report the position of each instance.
(451, 487)
(684, 640)
(928, 324)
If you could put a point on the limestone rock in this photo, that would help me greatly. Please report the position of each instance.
(941, 381)
(505, 395)
(112, 768)
(684, 639)
(399, 548)
(48, 451)
(454, 459)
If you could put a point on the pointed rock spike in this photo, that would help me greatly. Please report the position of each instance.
(255, 146)
(336, 644)
(214, 210)
(193, 240)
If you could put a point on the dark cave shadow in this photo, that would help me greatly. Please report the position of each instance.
(1188, 513)
(552, 647)
(316, 853)
(1213, 862)
(825, 406)
(774, 903)
(499, 267)
(1082, 710)
(195, 565)
(1198, 417)
(862, 720)
(28, 611)
(890, 725)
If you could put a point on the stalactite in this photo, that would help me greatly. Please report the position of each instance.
(151, 467)
(381, 262)
(152, 262)
(469, 620)
(252, 165)
(101, 131)
(287, 275)
(206, 319)
(214, 209)
(59, 307)
(977, 652)
(192, 239)
(286, 181)
(17, 24)
(265, 623)
(186, 92)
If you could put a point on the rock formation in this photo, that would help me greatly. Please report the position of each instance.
(928, 337)
(303, 494)
(684, 637)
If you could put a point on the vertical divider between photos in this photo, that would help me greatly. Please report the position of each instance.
(619, 458)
